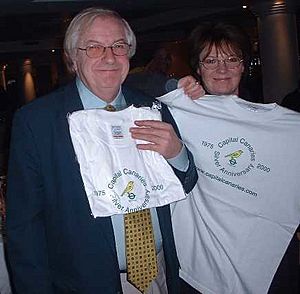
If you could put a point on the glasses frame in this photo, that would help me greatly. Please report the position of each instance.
(112, 47)
(217, 64)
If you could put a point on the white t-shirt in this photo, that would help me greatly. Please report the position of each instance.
(118, 178)
(232, 231)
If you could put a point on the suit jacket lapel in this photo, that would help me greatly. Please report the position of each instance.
(72, 101)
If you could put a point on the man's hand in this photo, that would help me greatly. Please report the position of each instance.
(160, 135)
(191, 87)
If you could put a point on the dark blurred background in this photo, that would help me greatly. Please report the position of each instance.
(31, 34)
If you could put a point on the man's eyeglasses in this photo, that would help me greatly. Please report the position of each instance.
(213, 62)
(118, 49)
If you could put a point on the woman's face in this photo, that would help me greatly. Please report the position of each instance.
(223, 79)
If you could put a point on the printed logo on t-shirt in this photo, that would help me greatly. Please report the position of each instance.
(128, 191)
(117, 132)
(234, 156)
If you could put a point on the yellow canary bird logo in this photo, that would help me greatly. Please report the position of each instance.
(129, 188)
(235, 154)
(232, 156)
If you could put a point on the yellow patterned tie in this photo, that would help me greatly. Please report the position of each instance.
(140, 245)
(140, 249)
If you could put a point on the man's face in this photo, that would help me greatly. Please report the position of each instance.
(221, 80)
(102, 75)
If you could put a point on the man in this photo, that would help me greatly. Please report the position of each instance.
(55, 245)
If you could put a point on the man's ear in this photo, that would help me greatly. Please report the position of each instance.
(74, 65)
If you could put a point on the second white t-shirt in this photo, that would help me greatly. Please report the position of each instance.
(232, 231)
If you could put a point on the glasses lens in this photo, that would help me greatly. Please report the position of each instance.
(94, 51)
(120, 49)
(213, 63)
(210, 63)
(232, 61)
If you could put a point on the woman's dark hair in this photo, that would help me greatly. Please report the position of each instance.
(223, 36)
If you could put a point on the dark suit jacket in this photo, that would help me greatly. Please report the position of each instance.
(54, 243)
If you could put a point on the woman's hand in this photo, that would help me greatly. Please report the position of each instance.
(191, 87)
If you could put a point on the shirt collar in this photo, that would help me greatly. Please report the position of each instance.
(90, 100)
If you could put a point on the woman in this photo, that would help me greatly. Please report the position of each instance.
(219, 57)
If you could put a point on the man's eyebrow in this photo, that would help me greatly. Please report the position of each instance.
(97, 42)
(119, 40)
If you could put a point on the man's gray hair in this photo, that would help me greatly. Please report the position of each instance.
(80, 24)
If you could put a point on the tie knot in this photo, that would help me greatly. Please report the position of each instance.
(110, 107)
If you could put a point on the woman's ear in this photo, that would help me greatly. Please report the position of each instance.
(243, 68)
(199, 71)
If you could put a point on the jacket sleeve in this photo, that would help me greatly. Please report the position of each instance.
(190, 177)
(26, 238)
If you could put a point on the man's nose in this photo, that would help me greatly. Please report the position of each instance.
(108, 55)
